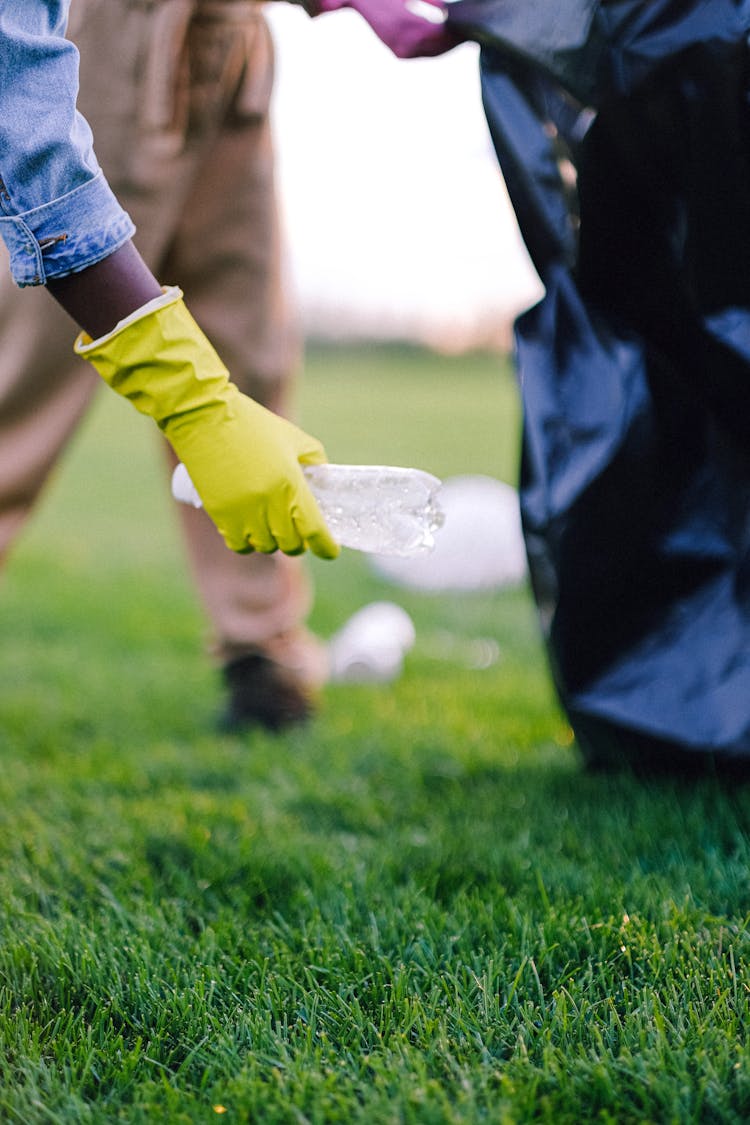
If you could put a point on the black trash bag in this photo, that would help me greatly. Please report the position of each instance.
(623, 133)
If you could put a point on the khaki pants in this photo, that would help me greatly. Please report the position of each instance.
(177, 94)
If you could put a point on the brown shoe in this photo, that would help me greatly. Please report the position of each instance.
(264, 694)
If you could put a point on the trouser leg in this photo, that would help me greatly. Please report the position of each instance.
(226, 254)
(44, 392)
(44, 388)
(193, 165)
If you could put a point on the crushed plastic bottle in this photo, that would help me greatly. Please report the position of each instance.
(381, 509)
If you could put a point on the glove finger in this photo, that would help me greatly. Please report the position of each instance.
(323, 545)
(312, 528)
(289, 540)
(264, 544)
(255, 537)
(235, 541)
(309, 450)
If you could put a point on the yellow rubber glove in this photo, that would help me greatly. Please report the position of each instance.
(243, 459)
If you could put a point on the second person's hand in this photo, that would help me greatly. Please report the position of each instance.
(411, 28)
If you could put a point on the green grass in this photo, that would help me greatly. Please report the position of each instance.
(418, 910)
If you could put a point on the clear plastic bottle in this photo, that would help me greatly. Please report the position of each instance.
(381, 509)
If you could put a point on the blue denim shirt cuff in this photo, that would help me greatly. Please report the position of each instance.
(66, 235)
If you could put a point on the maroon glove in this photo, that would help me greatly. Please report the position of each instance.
(411, 28)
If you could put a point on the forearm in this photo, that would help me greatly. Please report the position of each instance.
(58, 215)
(98, 297)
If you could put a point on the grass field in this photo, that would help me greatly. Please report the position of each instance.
(418, 910)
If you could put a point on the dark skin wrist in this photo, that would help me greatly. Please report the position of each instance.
(100, 296)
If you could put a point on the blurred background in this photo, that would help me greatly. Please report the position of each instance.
(398, 222)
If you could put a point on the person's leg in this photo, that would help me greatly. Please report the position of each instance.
(44, 392)
(226, 254)
(151, 145)
(44, 388)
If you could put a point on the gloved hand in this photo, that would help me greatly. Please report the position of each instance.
(408, 27)
(244, 460)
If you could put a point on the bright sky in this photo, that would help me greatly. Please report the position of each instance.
(397, 217)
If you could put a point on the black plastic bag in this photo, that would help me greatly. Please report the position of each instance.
(623, 133)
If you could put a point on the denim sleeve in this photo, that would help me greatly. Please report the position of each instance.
(57, 211)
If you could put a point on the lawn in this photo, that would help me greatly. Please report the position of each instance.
(417, 910)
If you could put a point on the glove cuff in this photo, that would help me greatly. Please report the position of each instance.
(84, 345)
(160, 360)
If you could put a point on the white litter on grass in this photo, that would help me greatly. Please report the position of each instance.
(371, 646)
(479, 547)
